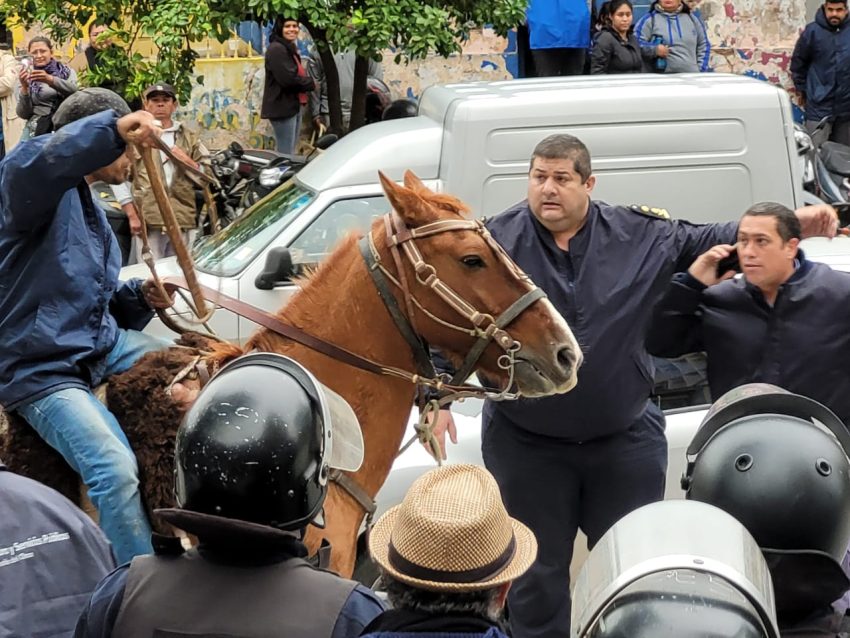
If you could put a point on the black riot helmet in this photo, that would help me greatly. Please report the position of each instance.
(257, 447)
(87, 102)
(778, 462)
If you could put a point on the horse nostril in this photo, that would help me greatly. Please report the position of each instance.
(567, 358)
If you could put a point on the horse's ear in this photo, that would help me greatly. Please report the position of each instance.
(410, 206)
(414, 183)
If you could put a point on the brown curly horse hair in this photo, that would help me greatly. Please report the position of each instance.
(147, 414)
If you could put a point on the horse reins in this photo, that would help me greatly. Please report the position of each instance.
(483, 326)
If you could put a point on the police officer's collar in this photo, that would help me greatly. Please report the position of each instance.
(804, 580)
(221, 530)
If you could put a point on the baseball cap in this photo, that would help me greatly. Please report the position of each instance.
(165, 89)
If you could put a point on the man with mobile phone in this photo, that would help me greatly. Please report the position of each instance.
(784, 321)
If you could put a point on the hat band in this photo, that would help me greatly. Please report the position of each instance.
(475, 575)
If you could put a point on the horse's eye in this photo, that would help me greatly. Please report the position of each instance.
(472, 261)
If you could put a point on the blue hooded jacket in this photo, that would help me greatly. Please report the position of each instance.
(554, 24)
(60, 300)
(819, 67)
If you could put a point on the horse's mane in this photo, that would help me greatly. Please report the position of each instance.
(307, 291)
(442, 201)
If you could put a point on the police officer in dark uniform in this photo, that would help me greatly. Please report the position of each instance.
(585, 459)
(253, 457)
(778, 462)
(51, 558)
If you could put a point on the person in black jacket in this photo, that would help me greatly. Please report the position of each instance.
(616, 49)
(784, 322)
(286, 84)
(585, 459)
(819, 69)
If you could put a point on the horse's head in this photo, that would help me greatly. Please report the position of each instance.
(461, 285)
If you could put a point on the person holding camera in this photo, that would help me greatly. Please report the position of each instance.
(44, 83)
(783, 322)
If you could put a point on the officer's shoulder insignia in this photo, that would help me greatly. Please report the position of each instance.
(650, 211)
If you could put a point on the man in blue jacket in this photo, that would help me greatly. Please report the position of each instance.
(66, 322)
(51, 558)
(559, 35)
(820, 67)
(784, 322)
(583, 460)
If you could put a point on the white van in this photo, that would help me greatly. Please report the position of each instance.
(702, 146)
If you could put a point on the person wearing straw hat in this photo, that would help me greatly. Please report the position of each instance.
(252, 460)
(448, 555)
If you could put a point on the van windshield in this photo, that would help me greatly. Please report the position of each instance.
(226, 253)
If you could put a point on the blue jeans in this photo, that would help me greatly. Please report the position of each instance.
(83, 431)
(286, 133)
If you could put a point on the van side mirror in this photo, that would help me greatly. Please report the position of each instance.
(278, 269)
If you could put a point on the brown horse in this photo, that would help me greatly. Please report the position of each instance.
(339, 303)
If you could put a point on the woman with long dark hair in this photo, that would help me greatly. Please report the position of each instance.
(286, 84)
(43, 85)
(616, 49)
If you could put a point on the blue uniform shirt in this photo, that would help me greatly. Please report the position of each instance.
(605, 286)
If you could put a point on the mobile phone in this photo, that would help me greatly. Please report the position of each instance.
(729, 263)
(26, 61)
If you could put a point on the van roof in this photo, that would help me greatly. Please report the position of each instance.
(464, 114)
(625, 86)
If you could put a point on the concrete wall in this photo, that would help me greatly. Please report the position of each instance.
(754, 37)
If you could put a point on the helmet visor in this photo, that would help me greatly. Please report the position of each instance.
(345, 443)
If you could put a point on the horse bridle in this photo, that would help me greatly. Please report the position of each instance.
(401, 238)
(483, 326)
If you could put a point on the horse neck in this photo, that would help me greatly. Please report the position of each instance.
(339, 304)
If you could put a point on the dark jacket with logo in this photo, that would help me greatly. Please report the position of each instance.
(612, 54)
(819, 68)
(51, 558)
(801, 344)
(208, 592)
(407, 623)
(605, 286)
(282, 82)
(61, 303)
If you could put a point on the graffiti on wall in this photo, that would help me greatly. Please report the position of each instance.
(226, 107)
(750, 37)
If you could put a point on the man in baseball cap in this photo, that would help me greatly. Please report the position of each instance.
(160, 100)
(448, 555)
(160, 89)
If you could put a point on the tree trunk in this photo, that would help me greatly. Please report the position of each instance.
(331, 76)
(358, 98)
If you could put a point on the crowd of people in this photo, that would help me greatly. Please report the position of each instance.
(466, 543)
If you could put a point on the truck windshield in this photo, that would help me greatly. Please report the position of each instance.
(226, 253)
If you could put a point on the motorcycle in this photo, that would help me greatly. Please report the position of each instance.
(826, 168)
(246, 176)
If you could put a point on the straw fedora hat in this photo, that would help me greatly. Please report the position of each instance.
(452, 533)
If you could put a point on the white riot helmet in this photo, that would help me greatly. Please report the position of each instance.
(675, 569)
